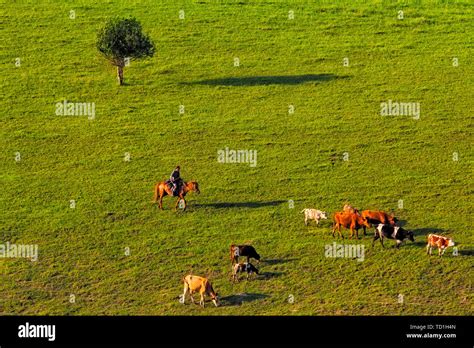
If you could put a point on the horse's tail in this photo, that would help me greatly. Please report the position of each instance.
(157, 188)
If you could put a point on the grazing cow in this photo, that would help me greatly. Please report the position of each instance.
(351, 221)
(195, 283)
(392, 232)
(314, 214)
(441, 242)
(243, 267)
(243, 250)
(378, 217)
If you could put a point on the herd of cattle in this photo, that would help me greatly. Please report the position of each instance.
(353, 220)
(350, 218)
(385, 226)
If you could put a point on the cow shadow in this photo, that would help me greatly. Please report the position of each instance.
(466, 252)
(239, 299)
(277, 261)
(225, 205)
(427, 230)
(268, 80)
(402, 223)
(268, 275)
(421, 233)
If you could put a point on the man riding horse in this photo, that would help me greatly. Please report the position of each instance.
(176, 187)
(175, 181)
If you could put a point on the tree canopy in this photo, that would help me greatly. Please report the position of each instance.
(123, 38)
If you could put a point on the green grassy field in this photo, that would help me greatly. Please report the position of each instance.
(283, 62)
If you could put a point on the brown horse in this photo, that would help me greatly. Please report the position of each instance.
(162, 189)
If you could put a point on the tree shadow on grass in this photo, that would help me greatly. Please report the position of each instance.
(224, 205)
(268, 80)
(237, 300)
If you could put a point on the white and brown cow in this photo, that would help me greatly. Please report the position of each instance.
(441, 242)
(314, 214)
(202, 285)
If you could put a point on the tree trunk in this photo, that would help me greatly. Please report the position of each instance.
(120, 74)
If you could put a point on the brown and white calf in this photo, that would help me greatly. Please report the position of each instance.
(202, 285)
(314, 214)
(441, 242)
(241, 268)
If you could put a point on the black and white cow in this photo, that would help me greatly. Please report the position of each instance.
(241, 268)
(392, 232)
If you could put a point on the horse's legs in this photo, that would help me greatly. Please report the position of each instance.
(181, 197)
(155, 196)
(161, 201)
(177, 202)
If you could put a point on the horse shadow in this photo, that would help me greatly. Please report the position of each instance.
(239, 299)
(268, 80)
(224, 205)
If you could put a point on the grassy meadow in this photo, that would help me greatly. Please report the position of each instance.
(333, 149)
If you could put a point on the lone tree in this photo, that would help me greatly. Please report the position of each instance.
(121, 39)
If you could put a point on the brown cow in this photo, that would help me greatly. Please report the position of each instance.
(195, 283)
(351, 221)
(378, 217)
